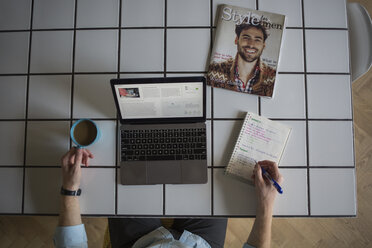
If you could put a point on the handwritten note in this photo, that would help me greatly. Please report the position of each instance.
(259, 139)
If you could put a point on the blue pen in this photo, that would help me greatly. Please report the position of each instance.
(275, 184)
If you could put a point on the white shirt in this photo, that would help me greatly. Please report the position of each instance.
(75, 236)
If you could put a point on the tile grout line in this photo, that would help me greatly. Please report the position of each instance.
(302, 167)
(212, 115)
(209, 167)
(259, 105)
(326, 28)
(57, 166)
(306, 107)
(317, 73)
(164, 200)
(149, 27)
(152, 72)
(165, 72)
(165, 37)
(73, 70)
(259, 97)
(58, 119)
(117, 114)
(215, 119)
(26, 110)
(11, 166)
(189, 216)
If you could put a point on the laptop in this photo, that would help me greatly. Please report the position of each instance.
(162, 130)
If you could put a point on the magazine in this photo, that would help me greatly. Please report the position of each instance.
(246, 50)
(259, 139)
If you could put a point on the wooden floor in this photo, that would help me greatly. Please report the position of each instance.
(323, 232)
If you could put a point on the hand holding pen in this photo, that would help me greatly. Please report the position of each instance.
(272, 181)
(265, 173)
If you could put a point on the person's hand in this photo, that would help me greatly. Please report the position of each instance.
(266, 192)
(71, 170)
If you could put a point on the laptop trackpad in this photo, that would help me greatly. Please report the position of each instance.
(166, 172)
(133, 173)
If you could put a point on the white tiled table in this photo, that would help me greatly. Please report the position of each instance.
(55, 64)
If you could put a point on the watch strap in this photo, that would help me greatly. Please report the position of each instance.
(70, 192)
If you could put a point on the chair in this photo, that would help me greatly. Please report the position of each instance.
(360, 36)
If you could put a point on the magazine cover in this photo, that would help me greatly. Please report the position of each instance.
(246, 50)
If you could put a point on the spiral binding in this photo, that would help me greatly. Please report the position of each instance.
(230, 165)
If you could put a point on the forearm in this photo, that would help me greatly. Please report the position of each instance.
(260, 235)
(70, 211)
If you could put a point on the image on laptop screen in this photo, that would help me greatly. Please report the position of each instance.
(165, 100)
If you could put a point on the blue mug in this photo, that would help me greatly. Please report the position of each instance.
(84, 132)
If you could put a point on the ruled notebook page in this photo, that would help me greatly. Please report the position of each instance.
(259, 139)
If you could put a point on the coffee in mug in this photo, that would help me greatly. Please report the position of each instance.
(84, 132)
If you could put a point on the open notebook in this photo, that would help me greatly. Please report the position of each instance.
(259, 139)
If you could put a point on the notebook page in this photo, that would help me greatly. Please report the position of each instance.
(259, 139)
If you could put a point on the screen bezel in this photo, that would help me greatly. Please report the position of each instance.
(125, 81)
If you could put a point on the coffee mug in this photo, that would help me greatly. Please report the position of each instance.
(84, 132)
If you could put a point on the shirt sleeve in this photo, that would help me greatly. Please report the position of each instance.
(246, 245)
(70, 237)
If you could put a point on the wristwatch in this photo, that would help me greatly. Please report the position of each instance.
(69, 192)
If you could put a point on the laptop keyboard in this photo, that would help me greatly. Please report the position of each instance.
(163, 144)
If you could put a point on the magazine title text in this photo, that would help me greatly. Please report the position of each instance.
(229, 14)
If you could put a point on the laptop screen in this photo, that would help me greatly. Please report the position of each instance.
(160, 100)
